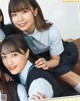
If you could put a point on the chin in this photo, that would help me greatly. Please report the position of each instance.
(22, 29)
(14, 73)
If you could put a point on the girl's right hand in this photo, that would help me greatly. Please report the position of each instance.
(8, 78)
(42, 63)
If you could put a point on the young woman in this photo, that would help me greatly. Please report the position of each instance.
(26, 16)
(15, 57)
(6, 30)
(12, 90)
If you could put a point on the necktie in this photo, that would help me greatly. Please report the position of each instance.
(35, 45)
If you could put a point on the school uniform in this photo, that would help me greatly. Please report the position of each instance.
(49, 43)
(37, 80)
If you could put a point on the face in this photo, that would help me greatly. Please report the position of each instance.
(24, 20)
(15, 61)
(0, 18)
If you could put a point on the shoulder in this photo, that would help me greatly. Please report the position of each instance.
(54, 29)
(54, 33)
(40, 73)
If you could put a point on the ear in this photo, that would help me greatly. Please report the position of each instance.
(27, 54)
(35, 12)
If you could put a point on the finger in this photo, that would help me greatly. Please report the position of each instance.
(45, 68)
(7, 78)
(41, 66)
(41, 96)
(35, 97)
(40, 63)
(11, 79)
(39, 60)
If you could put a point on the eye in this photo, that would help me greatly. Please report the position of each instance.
(15, 54)
(3, 57)
(13, 14)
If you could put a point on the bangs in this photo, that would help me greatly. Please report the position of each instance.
(9, 48)
(18, 5)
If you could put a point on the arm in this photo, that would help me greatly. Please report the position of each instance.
(56, 48)
(22, 92)
(40, 86)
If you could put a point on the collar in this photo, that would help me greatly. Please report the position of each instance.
(24, 73)
(32, 34)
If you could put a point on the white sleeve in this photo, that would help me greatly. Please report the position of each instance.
(22, 92)
(42, 86)
(56, 45)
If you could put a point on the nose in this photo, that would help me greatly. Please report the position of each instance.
(9, 61)
(20, 17)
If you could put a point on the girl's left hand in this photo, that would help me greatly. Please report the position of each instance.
(38, 96)
(42, 63)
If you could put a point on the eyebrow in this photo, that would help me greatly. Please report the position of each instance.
(3, 53)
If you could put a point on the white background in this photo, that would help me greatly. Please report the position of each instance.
(65, 15)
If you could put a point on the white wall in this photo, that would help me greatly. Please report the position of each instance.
(63, 14)
(4, 7)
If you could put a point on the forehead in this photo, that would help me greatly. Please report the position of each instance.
(9, 49)
(20, 6)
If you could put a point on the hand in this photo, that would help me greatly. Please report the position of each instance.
(38, 96)
(8, 78)
(42, 63)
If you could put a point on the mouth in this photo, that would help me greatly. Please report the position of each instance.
(22, 24)
(12, 68)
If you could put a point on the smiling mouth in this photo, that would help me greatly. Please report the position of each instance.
(22, 24)
(12, 68)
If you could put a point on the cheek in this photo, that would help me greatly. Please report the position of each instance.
(20, 60)
(21, 64)
(5, 63)
(29, 16)
(14, 20)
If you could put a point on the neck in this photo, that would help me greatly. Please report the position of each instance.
(31, 30)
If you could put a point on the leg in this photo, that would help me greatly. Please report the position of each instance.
(73, 79)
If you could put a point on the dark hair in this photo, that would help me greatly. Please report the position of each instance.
(16, 43)
(2, 22)
(3, 86)
(17, 5)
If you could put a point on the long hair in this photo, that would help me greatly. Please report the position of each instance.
(3, 86)
(2, 22)
(17, 5)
